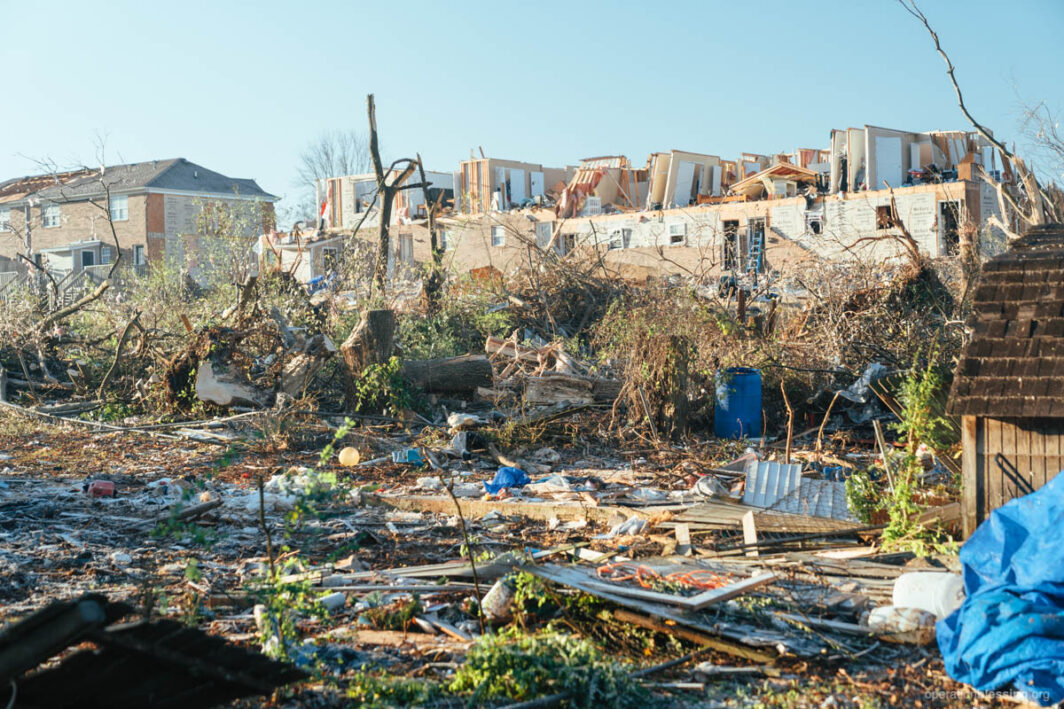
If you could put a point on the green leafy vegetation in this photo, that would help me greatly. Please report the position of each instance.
(382, 388)
(516, 666)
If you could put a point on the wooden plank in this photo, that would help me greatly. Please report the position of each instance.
(750, 533)
(683, 539)
(717, 514)
(574, 578)
(1036, 451)
(717, 595)
(395, 638)
(693, 636)
(1010, 471)
(971, 483)
(1054, 450)
(995, 473)
(838, 626)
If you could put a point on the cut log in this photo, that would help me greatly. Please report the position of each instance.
(451, 375)
(370, 342)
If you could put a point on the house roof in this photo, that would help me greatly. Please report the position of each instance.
(19, 187)
(1013, 367)
(175, 174)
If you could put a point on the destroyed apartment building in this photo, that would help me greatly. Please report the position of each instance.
(687, 212)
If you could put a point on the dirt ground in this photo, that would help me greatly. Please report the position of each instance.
(57, 541)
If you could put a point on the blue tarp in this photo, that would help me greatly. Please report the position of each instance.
(507, 477)
(1010, 629)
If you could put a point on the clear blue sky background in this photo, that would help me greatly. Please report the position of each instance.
(242, 87)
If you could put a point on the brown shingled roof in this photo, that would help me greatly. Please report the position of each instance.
(1013, 367)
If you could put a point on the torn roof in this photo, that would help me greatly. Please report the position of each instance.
(176, 174)
(19, 187)
(754, 184)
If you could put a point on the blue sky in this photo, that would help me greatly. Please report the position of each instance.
(242, 87)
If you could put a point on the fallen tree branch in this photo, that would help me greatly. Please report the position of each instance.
(118, 355)
(73, 307)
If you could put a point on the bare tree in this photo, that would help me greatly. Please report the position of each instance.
(387, 189)
(333, 153)
(434, 279)
(1042, 129)
(1042, 205)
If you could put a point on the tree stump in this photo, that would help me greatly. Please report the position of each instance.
(370, 342)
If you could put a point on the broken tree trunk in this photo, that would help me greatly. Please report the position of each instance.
(387, 189)
(300, 370)
(452, 375)
(553, 389)
(670, 405)
(118, 354)
(371, 342)
(73, 307)
(434, 280)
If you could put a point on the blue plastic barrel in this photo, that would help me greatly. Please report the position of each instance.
(738, 409)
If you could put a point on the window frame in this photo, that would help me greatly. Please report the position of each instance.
(325, 258)
(620, 238)
(106, 256)
(547, 229)
(501, 232)
(46, 218)
(138, 249)
(5, 219)
(677, 238)
(406, 243)
(124, 210)
(883, 217)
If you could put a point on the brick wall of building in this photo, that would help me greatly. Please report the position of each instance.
(79, 221)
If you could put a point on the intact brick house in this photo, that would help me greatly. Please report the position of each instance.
(60, 220)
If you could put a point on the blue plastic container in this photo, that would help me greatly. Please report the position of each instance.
(738, 410)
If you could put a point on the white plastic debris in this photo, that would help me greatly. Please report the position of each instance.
(709, 486)
(498, 602)
(334, 601)
(902, 625)
(463, 422)
(632, 525)
(430, 483)
(648, 494)
(937, 592)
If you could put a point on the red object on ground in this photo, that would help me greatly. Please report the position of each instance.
(101, 488)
